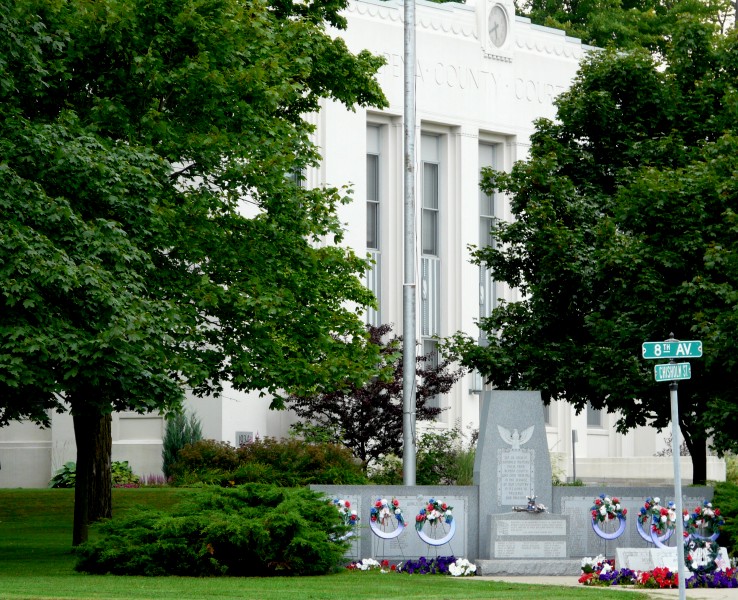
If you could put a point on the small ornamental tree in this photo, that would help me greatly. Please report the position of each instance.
(368, 418)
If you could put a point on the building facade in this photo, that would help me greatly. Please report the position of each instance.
(483, 77)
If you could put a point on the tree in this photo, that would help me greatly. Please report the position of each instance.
(622, 23)
(624, 232)
(367, 418)
(150, 239)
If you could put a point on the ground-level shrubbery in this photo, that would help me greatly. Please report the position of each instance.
(287, 463)
(254, 530)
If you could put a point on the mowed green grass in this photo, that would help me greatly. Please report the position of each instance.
(36, 563)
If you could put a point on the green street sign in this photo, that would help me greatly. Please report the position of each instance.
(673, 371)
(676, 349)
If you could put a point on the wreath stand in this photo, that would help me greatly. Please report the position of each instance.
(385, 529)
(609, 535)
(439, 541)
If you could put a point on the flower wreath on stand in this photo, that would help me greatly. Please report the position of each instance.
(350, 516)
(434, 513)
(381, 511)
(663, 519)
(703, 528)
(606, 509)
(705, 522)
(650, 508)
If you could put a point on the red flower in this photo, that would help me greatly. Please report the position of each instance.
(625, 511)
(598, 501)
(663, 511)
(429, 507)
(717, 512)
(374, 518)
(615, 501)
(395, 502)
(378, 504)
(585, 578)
(347, 503)
(594, 514)
(385, 563)
(610, 516)
(444, 506)
(419, 517)
(393, 568)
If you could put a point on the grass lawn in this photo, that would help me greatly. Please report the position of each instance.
(36, 563)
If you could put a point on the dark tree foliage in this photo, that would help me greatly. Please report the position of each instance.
(368, 418)
(149, 239)
(626, 231)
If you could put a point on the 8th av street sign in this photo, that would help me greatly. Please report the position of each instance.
(673, 371)
(675, 349)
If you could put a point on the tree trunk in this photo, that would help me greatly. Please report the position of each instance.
(697, 445)
(699, 462)
(93, 488)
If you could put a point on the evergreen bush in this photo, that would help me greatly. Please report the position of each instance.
(254, 530)
(181, 430)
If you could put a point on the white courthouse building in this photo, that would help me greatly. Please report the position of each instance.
(483, 77)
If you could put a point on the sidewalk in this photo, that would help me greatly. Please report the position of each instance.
(693, 594)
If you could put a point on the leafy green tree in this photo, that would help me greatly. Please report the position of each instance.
(367, 418)
(624, 232)
(622, 23)
(149, 237)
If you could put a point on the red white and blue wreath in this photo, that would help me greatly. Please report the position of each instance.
(604, 510)
(385, 518)
(437, 515)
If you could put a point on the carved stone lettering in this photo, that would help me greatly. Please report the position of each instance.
(530, 549)
(515, 475)
(531, 528)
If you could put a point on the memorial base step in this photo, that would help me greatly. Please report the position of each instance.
(533, 566)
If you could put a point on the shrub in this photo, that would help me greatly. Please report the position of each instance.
(180, 431)
(281, 462)
(254, 530)
(726, 499)
(120, 470)
(123, 476)
(205, 460)
(65, 477)
(442, 459)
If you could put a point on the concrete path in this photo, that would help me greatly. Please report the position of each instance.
(694, 594)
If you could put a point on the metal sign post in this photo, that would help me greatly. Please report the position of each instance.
(671, 372)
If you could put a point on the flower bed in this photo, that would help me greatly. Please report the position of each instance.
(601, 571)
(440, 565)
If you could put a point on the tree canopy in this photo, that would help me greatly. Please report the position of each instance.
(625, 232)
(625, 23)
(150, 238)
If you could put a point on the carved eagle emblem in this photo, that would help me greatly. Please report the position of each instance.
(515, 438)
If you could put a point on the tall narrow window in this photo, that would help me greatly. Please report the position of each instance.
(430, 292)
(373, 207)
(487, 217)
